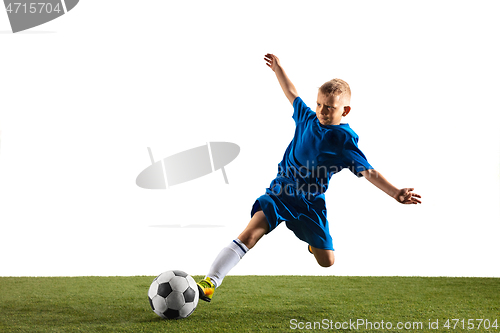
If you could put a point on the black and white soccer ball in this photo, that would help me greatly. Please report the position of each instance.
(173, 295)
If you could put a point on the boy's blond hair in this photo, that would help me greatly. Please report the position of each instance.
(337, 87)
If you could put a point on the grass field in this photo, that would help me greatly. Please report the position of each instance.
(254, 304)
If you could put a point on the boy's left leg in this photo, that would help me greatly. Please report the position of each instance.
(325, 258)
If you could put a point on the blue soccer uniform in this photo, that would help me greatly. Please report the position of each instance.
(296, 195)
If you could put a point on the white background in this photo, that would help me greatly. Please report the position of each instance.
(83, 96)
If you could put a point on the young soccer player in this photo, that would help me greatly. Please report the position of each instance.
(321, 147)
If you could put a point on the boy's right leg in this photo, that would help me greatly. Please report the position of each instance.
(231, 255)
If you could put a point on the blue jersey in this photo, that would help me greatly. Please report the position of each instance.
(296, 195)
(318, 151)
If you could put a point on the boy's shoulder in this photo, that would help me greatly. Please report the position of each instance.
(301, 112)
(347, 129)
(299, 104)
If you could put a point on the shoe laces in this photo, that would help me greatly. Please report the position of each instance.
(205, 284)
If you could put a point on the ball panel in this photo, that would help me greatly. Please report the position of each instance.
(191, 282)
(189, 295)
(164, 289)
(151, 303)
(171, 314)
(194, 286)
(165, 277)
(187, 310)
(180, 273)
(153, 289)
(196, 298)
(179, 283)
(159, 304)
(175, 300)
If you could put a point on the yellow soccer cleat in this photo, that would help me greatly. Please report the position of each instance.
(206, 289)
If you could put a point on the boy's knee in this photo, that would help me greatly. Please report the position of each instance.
(328, 263)
(247, 239)
(327, 260)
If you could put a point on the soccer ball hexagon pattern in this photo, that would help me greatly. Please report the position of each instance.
(173, 295)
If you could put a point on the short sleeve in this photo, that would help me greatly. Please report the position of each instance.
(353, 157)
(301, 111)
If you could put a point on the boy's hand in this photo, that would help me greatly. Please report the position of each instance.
(288, 88)
(272, 61)
(406, 196)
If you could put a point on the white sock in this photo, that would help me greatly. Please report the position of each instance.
(226, 260)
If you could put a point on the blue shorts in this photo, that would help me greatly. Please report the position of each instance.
(304, 214)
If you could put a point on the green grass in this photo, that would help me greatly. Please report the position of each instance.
(247, 304)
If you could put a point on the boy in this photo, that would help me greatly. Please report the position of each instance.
(320, 147)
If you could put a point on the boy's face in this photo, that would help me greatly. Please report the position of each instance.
(330, 109)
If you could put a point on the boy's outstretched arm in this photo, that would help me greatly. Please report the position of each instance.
(404, 195)
(285, 83)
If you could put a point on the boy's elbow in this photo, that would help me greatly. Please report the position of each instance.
(368, 173)
(292, 95)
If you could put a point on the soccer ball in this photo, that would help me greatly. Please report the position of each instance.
(173, 295)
